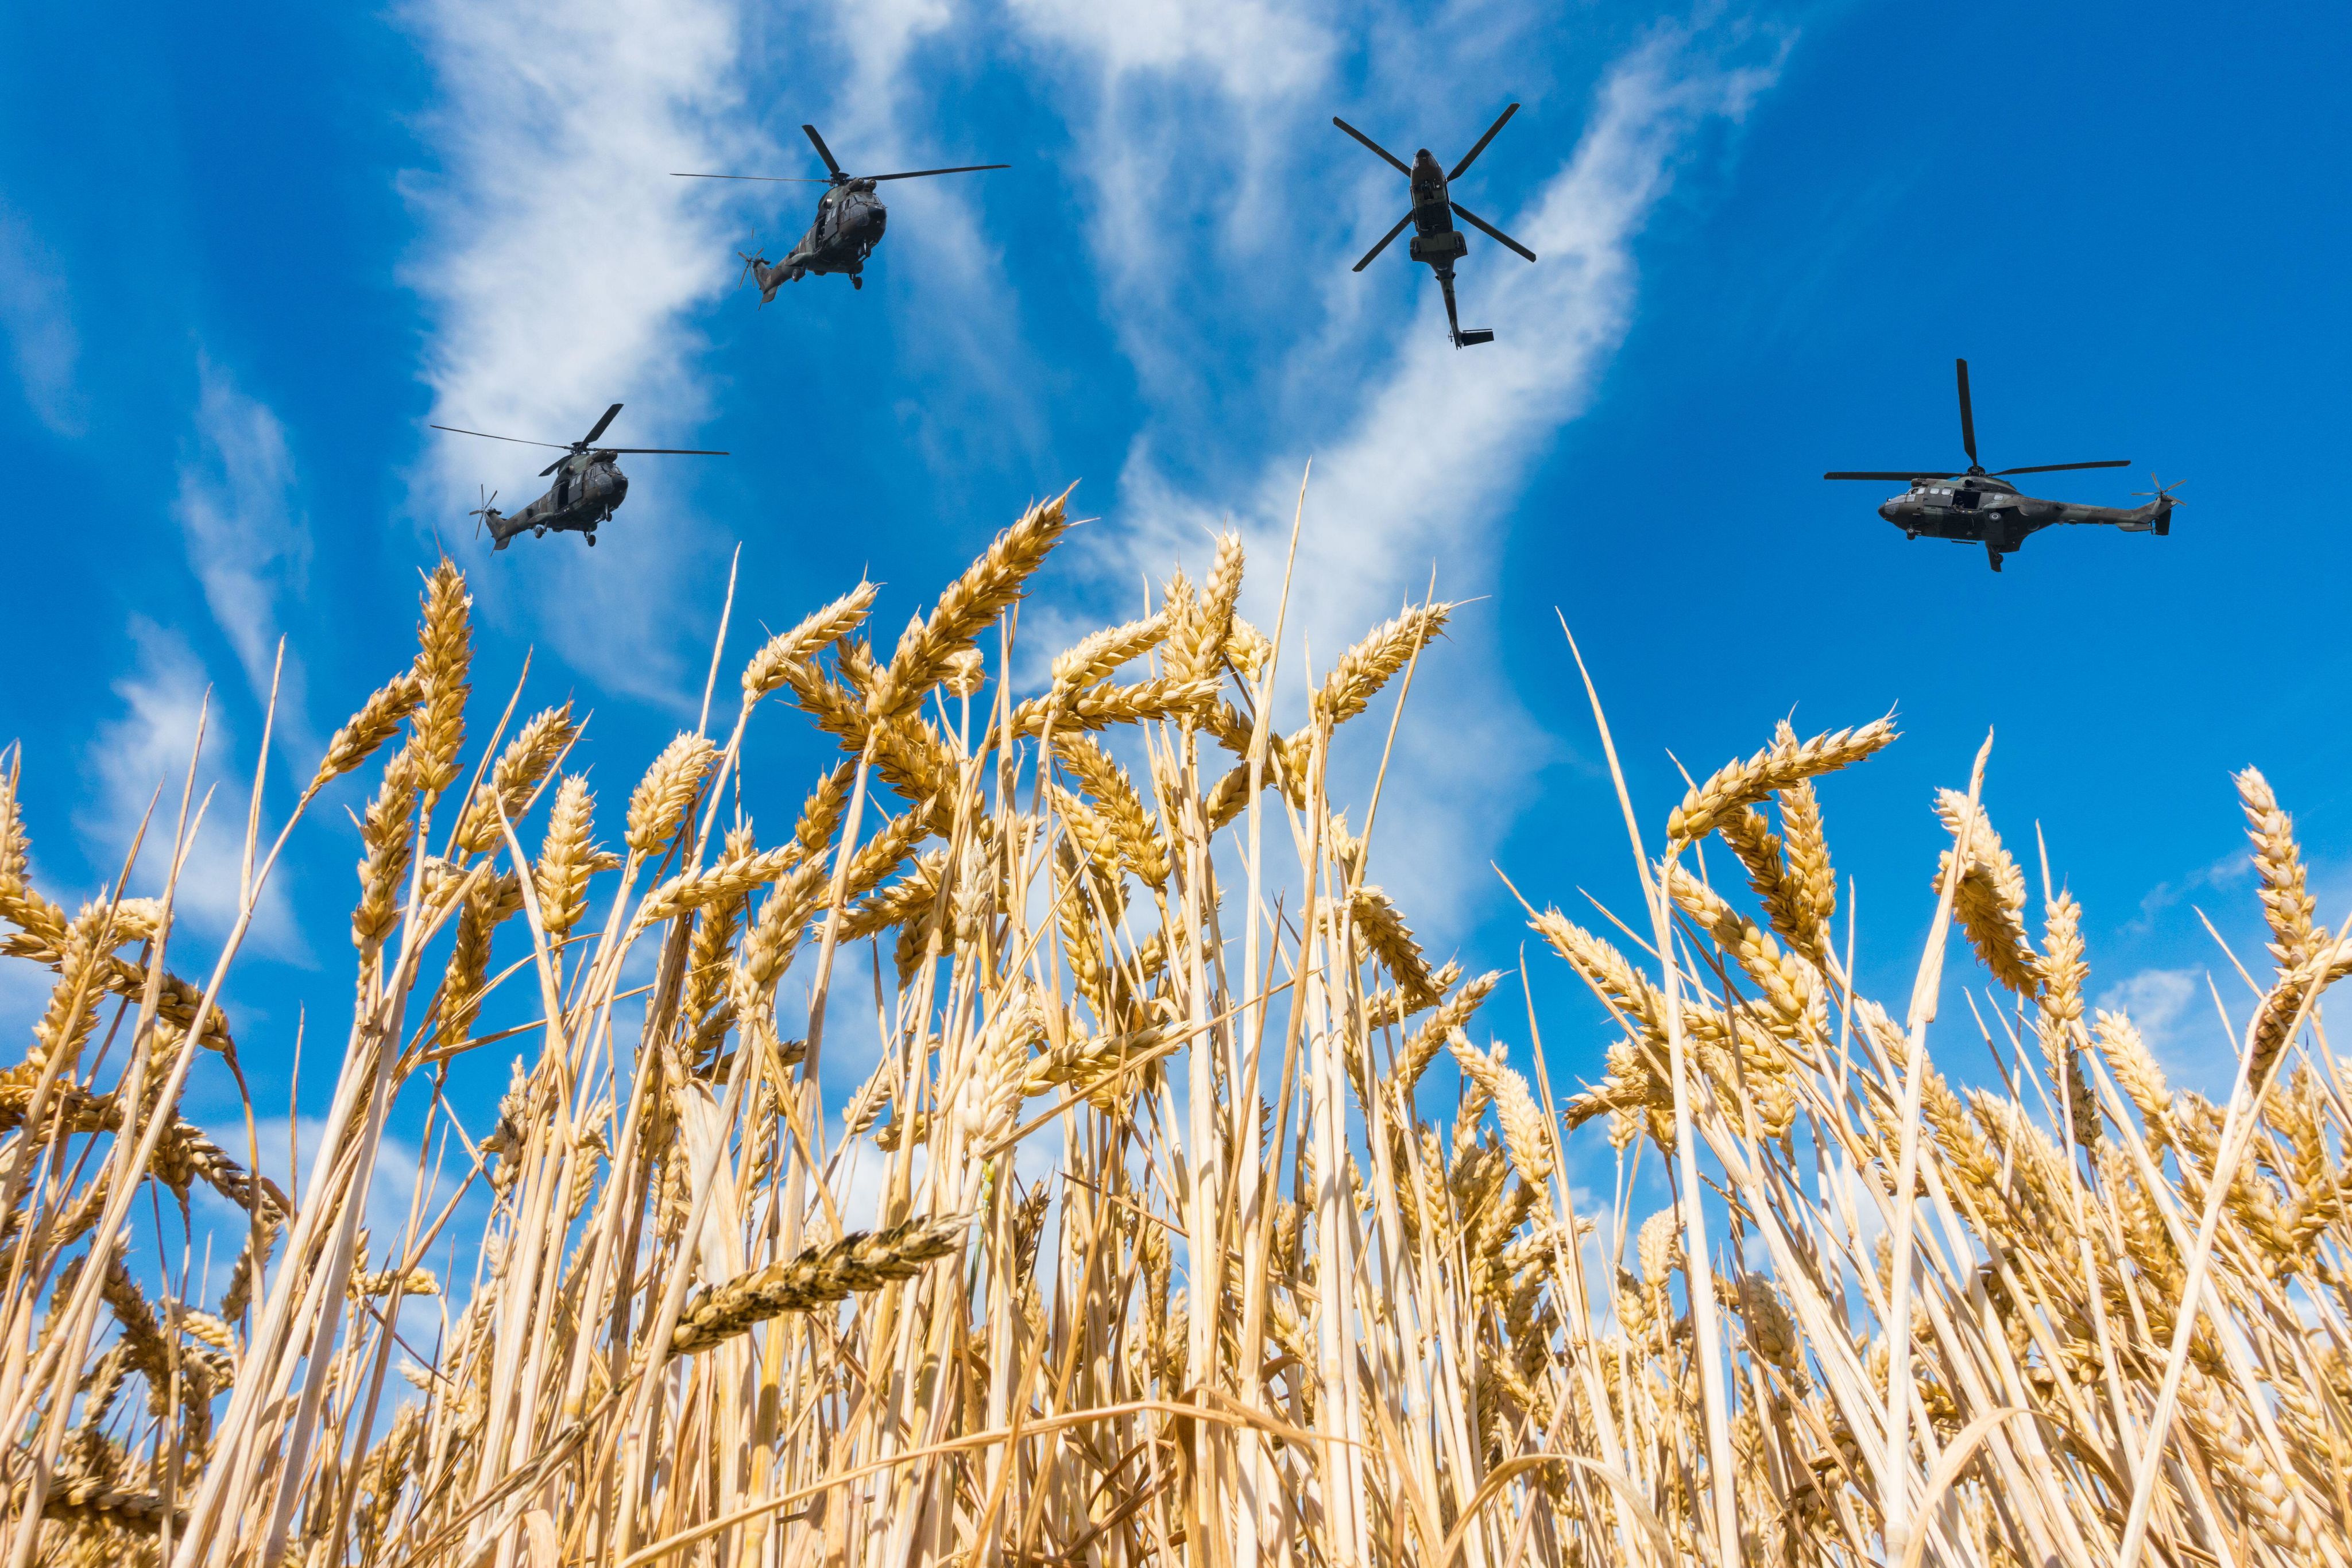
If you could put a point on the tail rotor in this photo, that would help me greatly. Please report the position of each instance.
(2161, 498)
(753, 260)
(482, 511)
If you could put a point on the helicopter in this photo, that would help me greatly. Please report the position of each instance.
(1979, 507)
(849, 221)
(588, 485)
(1436, 240)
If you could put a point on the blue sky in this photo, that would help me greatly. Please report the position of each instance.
(245, 255)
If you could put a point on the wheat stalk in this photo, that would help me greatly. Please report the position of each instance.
(1310, 1278)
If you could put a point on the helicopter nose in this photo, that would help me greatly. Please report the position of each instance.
(1886, 510)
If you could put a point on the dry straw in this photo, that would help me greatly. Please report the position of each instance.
(1289, 1291)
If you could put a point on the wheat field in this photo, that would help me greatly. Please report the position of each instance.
(1285, 1296)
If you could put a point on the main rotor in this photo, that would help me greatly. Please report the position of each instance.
(1459, 168)
(834, 175)
(1968, 441)
(576, 448)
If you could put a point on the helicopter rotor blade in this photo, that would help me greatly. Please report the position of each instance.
(1383, 243)
(2061, 467)
(664, 450)
(590, 439)
(1402, 167)
(555, 465)
(1489, 230)
(824, 152)
(1968, 413)
(1900, 476)
(918, 174)
(486, 436)
(1455, 172)
(764, 179)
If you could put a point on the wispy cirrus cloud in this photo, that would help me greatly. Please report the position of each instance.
(2174, 1011)
(1414, 443)
(1203, 163)
(37, 318)
(142, 756)
(559, 266)
(247, 538)
(2223, 875)
(1188, 119)
(859, 73)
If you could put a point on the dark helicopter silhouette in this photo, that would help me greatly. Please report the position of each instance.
(588, 485)
(849, 221)
(1436, 240)
(1978, 507)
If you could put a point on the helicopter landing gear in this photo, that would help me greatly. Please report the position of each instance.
(855, 281)
(592, 540)
(537, 532)
(1993, 553)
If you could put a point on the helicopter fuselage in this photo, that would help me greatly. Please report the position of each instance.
(850, 219)
(1436, 241)
(588, 486)
(1977, 509)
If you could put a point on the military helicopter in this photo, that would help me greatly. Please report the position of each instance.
(849, 221)
(1980, 508)
(1436, 240)
(588, 485)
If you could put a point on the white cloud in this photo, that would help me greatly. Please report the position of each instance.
(1190, 120)
(2224, 874)
(392, 1192)
(36, 317)
(2174, 1011)
(956, 319)
(247, 539)
(149, 744)
(560, 264)
(1447, 435)
(1197, 110)
(391, 1189)
(1414, 457)
(880, 39)
(1252, 51)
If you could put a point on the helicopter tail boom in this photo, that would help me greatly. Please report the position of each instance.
(1463, 338)
(502, 527)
